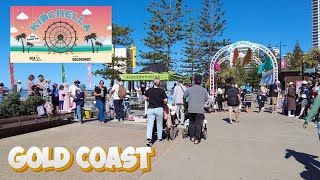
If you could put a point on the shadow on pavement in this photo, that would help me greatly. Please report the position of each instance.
(311, 165)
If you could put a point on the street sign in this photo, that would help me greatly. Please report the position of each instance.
(310, 70)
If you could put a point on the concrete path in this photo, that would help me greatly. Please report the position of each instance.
(261, 147)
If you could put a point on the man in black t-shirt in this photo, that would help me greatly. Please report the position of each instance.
(100, 93)
(156, 98)
(234, 100)
(273, 94)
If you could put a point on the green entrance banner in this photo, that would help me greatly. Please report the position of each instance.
(144, 77)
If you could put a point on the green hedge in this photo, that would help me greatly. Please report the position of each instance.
(11, 106)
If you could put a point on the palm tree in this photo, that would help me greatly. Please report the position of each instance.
(29, 44)
(21, 37)
(90, 37)
(99, 45)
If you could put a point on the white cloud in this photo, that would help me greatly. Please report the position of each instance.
(13, 30)
(86, 12)
(22, 16)
(33, 38)
(109, 28)
(14, 42)
(107, 42)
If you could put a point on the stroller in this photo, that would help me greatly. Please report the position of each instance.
(210, 106)
(170, 127)
(185, 132)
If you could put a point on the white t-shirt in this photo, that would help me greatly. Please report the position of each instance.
(72, 89)
(115, 90)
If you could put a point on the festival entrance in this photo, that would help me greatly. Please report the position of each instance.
(268, 67)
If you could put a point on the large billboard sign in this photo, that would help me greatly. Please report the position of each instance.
(56, 34)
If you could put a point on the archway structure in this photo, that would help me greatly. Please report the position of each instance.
(226, 53)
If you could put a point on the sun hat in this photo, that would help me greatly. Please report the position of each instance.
(290, 83)
(304, 82)
(18, 81)
(82, 87)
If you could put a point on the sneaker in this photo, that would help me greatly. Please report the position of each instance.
(102, 122)
(148, 143)
(159, 140)
(80, 122)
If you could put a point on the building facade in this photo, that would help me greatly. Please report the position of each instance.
(315, 5)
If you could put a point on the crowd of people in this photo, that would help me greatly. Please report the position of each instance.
(189, 101)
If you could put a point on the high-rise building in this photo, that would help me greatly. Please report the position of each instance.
(315, 23)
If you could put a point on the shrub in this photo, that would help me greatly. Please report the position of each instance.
(11, 106)
(29, 107)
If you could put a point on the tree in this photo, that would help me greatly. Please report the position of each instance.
(29, 44)
(312, 58)
(191, 49)
(90, 37)
(98, 45)
(164, 31)
(296, 59)
(212, 25)
(252, 76)
(21, 37)
(121, 36)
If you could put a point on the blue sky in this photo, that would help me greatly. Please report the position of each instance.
(264, 22)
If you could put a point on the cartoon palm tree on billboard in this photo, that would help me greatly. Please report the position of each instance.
(29, 44)
(99, 45)
(90, 37)
(21, 37)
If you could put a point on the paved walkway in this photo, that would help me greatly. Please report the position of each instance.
(262, 146)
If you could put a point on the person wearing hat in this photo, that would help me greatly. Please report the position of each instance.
(291, 100)
(72, 92)
(303, 96)
(197, 98)
(1, 92)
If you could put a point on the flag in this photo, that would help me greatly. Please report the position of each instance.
(248, 57)
(283, 63)
(89, 75)
(217, 66)
(64, 79)
(235, 56)
(133, 56)
(268, 65)
(12, 75)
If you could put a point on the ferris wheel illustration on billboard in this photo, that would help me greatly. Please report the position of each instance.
(60, 37)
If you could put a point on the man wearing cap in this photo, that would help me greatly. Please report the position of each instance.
(291, 100)
(197, 96)
(72, 92)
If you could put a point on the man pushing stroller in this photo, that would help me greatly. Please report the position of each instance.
(197, 97)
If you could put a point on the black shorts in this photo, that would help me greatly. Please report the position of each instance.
(248, 104)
